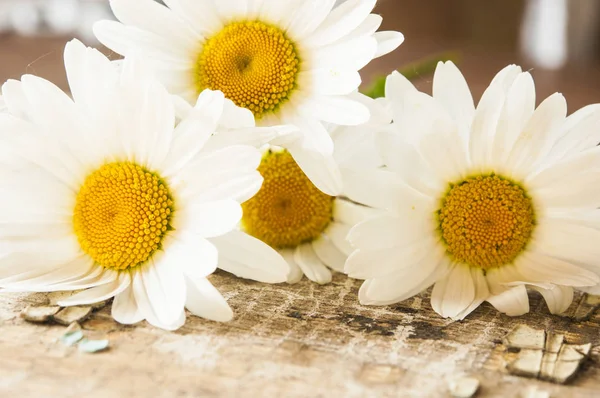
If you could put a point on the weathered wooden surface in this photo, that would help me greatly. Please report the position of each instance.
(300, 340)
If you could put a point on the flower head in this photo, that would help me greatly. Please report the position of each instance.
(288, 62)
(291, 215)
(481, 201)
(110, 196)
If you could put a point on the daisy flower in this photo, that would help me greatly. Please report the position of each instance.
(290, 214)
(109, 197)
(481, 201)
(288, 62)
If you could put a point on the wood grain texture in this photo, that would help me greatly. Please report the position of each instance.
(297, 341)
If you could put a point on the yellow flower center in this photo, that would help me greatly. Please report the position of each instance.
(122, 213)
(254, 64)
(486, 221)
(288, 210)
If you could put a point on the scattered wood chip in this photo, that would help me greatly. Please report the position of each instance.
(72, 336)
(527, 364)
(569, 361)
(586, 306)
(546, 357)
(534, 392)
(522, 336)
(68, 315)
(464, 387)
(39, 314)
(92, 346)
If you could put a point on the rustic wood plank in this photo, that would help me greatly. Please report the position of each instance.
(298, 340)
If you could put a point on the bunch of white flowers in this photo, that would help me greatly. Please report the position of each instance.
(233, 136)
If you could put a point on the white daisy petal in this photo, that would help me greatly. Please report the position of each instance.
(332, 81)
(587, 161)
(200, 14)
(572, 191)
(578, 133)
(379, 263)
(404, 284)
(329, 254)
(518, 108)
(396, 87)
(536, 267)
(481, 293)
(341, 21)
(512, 302)
(124, 308)
(350, 213)
(450, 88)
(383, 189)
(502, 278)
(211, 219)
(487, 116)
(406, 161)
(558, 299)
(539, 134)
(164, 289)
(309, 15)
(322, 170)
(38, 277)
(311, 265)
(151, 16)
(338, 233)
(15, 100)
(354, 54)
(248, 257)
(338, 110)
(295, 275)
(128, 40)
(368, 27)
(388, 231)
(205, 301)
(452, 295)
(99, 293)
(387, 42)
(96, 276)
(193, 255)
(87, 71)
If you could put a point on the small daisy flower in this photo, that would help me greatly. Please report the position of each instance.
(288, 62)
(109, 197)
(481, 201)
(290, 214)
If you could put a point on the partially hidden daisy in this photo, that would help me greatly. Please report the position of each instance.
(107, 196)
(290, 214)
(481, 201)
(288, 62)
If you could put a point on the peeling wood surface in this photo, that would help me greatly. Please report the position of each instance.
(297, 341)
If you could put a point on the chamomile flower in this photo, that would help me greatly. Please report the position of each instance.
(288, 62)
(290, 214)
(481, 201)
(108, 196)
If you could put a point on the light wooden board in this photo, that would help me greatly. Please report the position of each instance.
(302, 340)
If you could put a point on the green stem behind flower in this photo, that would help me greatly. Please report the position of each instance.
(425, 66)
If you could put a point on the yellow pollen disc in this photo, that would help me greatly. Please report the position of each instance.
(288, 210)
(122, 213)
(486, 221)
(254, 64)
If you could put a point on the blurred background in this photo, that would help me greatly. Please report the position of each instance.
(559, 40)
